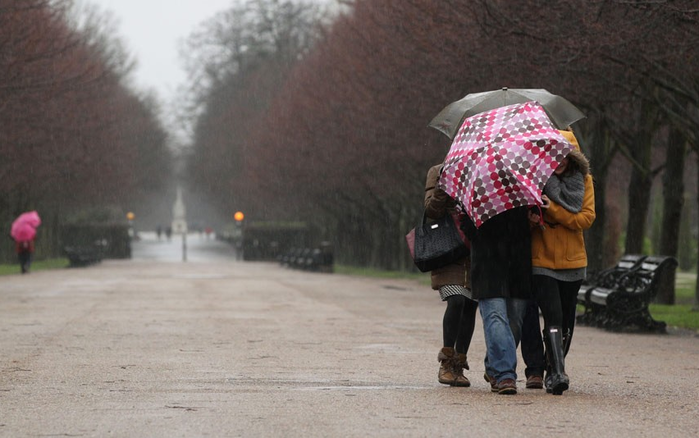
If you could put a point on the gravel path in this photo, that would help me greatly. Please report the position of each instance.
(222, 348)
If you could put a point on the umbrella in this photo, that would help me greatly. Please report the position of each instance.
(560, 111)
(24, 227)
(501, 159)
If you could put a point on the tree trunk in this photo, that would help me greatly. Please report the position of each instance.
(657, 201)
(349, 250)
(595, 236)
(600, 153)
(641, 182)
(688, 246)
(673, 196)
(405, 224)
(696, 283)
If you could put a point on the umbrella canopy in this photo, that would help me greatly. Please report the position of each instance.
(501, 159)
(560, 111)
(24, 227)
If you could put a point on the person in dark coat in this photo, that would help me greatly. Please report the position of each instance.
(452, 283)
(501, 273)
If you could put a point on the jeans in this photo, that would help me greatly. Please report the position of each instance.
(502, 325)
(516, 310)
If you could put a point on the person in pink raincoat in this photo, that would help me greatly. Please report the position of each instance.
(24, 232)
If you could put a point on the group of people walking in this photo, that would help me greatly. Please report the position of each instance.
(521, 261)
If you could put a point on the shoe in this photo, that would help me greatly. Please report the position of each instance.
(535, 382)
(460, 363)
(491, 380)
(447, 359)
(507, 387)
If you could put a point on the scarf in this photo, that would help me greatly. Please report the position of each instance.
(567, 191)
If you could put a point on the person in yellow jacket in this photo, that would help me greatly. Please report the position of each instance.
(559, 259)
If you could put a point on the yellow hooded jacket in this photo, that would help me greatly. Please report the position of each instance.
(560, 245)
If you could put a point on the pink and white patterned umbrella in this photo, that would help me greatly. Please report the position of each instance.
(501, 159)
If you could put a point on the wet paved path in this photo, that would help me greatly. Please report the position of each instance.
(154, 347)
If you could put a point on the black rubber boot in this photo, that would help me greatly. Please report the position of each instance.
(547, 356)
(559, 379)
(567, 339)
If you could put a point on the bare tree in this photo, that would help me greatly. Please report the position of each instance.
(73, 135)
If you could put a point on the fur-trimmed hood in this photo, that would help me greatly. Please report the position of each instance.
(578, 159)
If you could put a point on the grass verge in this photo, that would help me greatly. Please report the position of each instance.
(422, 278)
(677, 315)
(680, 314)
(39, 265)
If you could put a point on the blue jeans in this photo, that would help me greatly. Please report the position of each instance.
(502, 326)
(516, 311)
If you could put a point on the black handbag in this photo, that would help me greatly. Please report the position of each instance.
(438, 244)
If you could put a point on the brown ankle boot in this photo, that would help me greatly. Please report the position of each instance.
(459, 364)
(446, 358)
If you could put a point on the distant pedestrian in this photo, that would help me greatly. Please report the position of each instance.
(159, 231)
(452, 282)
(559, 259)
(23, 232)
(25, 253)
(168, 233)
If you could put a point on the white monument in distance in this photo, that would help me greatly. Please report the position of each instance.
(179, 221)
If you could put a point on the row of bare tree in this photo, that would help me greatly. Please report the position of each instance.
(326, 122)
(73, 135)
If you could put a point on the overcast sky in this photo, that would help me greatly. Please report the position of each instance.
(152, 30)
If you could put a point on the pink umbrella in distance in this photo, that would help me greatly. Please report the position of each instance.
(24, 227)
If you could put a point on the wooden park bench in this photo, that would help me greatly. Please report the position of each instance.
(318, 259)
(618, 298)
(606, 278)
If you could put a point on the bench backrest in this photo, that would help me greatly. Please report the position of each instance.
(653, 264)
(630, 261)
(611, 276)
(651, 272)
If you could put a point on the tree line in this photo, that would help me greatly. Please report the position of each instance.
(75, 139)
(330, 126)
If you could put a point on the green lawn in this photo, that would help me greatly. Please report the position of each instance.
(36, 266)
(423, 278)
(680, 314)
